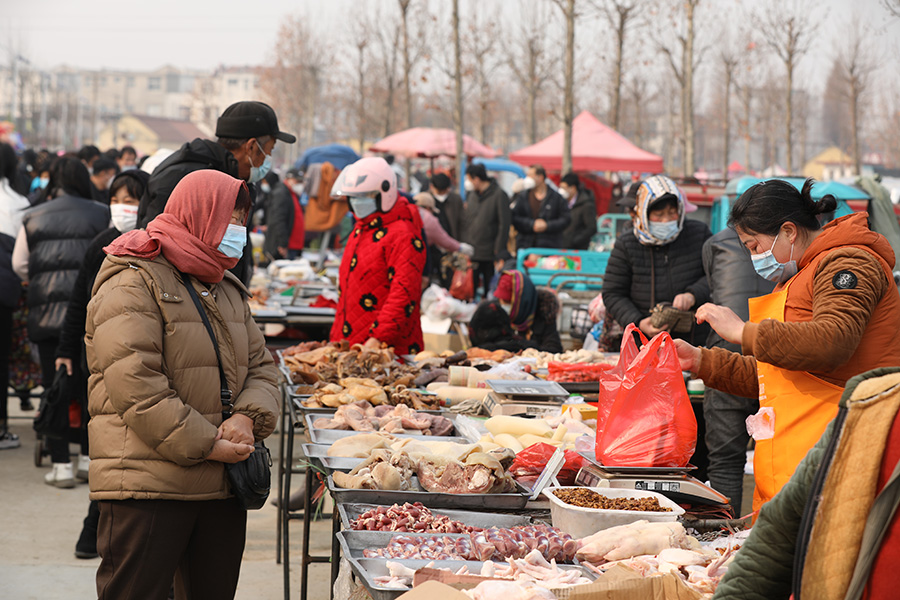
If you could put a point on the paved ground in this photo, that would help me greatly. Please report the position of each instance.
(40, 525)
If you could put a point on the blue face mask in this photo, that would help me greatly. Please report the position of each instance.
(232, 245)
(664, 231)
(769, 268)
(363, 206)
(257, 173)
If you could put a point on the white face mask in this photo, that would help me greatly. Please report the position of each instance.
(529, 183)
(363, 206)
(469, 186)
(297, 188)
(440, 198)
(565, 193)
(123, 216)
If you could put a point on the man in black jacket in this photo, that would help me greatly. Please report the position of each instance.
(246, 134)
(281, 217)
(487, 224)
(732, 281)
(583, 208)
(539, 214)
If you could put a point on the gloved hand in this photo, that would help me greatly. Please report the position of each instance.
(466, 249)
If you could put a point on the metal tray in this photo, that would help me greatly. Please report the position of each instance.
(637, 470)
(511, 501)
(354, 542)
(350, 512)
(318, 454)
(329, 436)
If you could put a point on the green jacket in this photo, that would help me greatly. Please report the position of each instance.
(769, 566)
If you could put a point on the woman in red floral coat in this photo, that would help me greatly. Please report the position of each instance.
(381, 270)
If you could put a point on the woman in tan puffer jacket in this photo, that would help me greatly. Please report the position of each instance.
(157, 436)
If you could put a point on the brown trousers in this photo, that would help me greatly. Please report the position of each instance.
(147, 544)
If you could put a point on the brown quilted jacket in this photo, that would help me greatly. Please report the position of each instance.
(154, 381)
(831, 330)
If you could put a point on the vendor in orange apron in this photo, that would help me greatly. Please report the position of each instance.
(835, 314)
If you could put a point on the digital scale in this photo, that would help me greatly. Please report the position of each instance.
(673, 483)
(528, 397)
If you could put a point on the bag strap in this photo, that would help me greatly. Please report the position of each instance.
(225, 393)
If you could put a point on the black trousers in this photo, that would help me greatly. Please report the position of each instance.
(144, 544)
(482, 273)
(5, 348)
(59, 447)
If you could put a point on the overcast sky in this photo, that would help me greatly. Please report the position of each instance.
(201, 34)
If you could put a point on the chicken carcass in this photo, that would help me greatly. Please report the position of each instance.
(634, 539)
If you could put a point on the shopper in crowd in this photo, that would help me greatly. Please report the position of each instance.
(539, 214)
(12, 207)
(125, 193)
(834, 314)
(487, 224)
(127, 158)
(49, 250)
(449, 205)
(439, 241)
(103, 172)
(88, 154)
(658, 260)
(246, 133)
(285, 227)
(157, 432)
(381, 271)
(38, 190)
(832, 531)
(520, 316)
(732, 282)
(582, 208)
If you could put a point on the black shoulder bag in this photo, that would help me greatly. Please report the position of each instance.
(250, 479)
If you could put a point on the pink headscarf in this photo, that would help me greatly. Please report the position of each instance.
(189, 231)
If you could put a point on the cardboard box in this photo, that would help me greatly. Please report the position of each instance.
(433, 590)
(440, 342)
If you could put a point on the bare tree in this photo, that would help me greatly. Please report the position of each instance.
(684, 61)
(361, 35)
(729, 61)
(386, 46)
(531, 62)
(788, 27)
(638, 95)
(892, 6)
(297, 75)
(568, 10)
(857, 64)
(620, 14)
(457, 85)
(480, 58)
(404, 28)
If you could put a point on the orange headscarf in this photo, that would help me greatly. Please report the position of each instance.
(189, 231)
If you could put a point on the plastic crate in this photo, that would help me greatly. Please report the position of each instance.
(585, 261)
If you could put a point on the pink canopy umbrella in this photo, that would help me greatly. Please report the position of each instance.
(426, 142)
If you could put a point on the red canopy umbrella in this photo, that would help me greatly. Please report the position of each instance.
(427, 142)
(595, 147)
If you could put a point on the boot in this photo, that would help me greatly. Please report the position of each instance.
(84, 462)
(86, 547)
(61, 476)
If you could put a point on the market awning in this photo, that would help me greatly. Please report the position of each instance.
(428, 142)
(595, 147)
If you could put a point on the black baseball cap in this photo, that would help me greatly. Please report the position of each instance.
(249, 119)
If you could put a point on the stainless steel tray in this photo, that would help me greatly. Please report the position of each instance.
(350, 512)
(318, 454)
(329, 436)
(512, 501)
(354, 542)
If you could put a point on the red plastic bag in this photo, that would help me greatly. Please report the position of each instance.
(651, 423)
(462, 286)
(611, 379)
(530, 463)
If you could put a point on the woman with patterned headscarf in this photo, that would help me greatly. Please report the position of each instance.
(520, 316)
(659, 260)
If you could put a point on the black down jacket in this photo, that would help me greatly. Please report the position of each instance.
(732, 279)
(677, 266)
(583, 227)
(553, 209)
(58, 234)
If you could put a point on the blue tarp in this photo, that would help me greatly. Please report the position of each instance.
(337, 154)
(500, 164)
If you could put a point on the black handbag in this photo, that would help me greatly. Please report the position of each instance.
(250, 479)
(52, 419)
